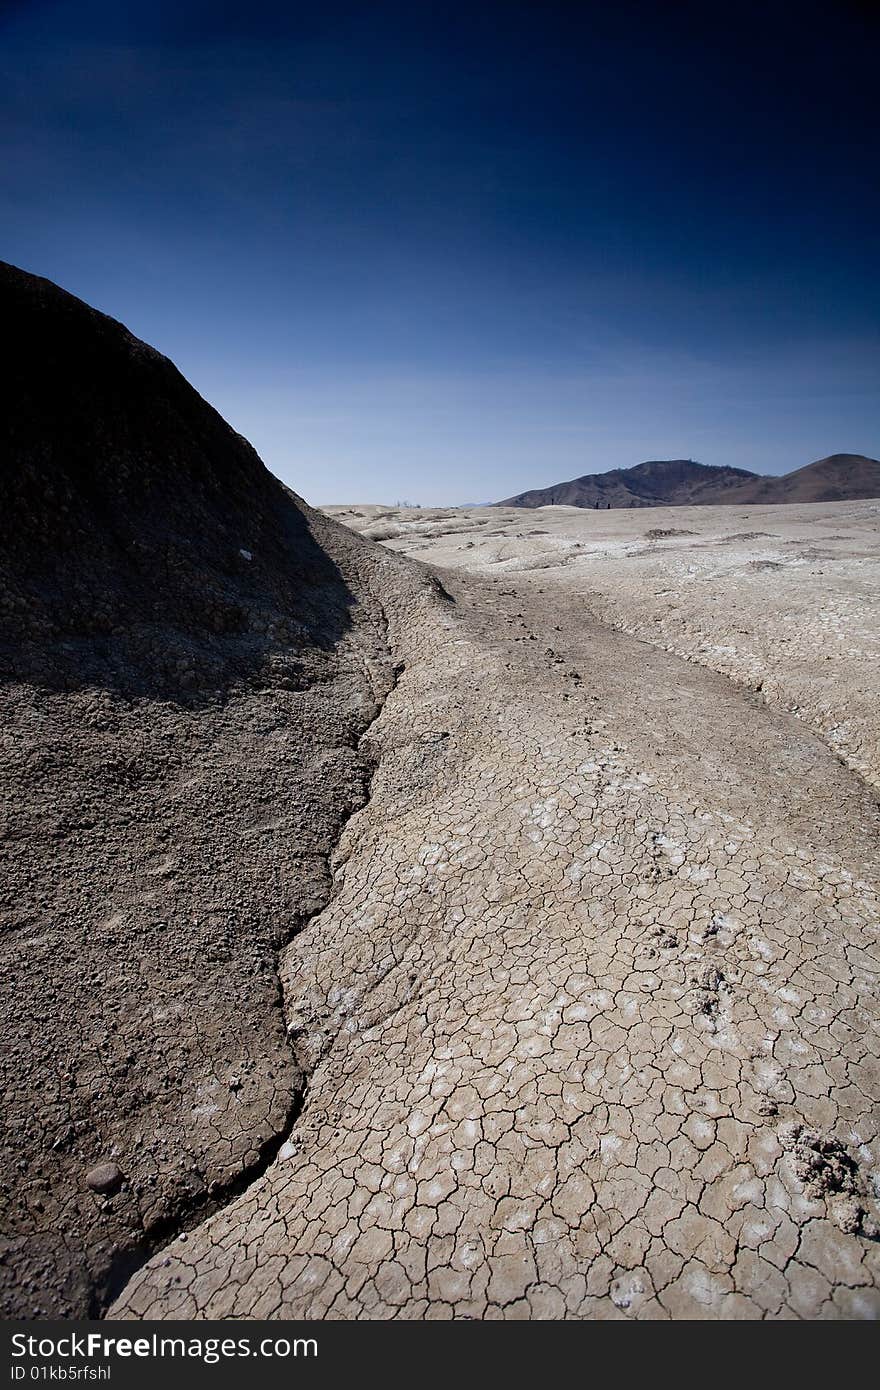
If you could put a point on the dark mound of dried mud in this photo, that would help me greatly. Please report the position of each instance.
(188, 659)
(142, 542)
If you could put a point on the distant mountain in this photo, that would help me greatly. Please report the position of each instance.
(683, 482)
(838, 478)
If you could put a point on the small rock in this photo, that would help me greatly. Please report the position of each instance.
(104, 1177)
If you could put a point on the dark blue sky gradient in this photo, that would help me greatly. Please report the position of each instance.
(448, 251)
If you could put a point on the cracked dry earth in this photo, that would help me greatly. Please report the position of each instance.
(590, 1019)
(781, 599)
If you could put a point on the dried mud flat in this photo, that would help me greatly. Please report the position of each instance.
(590, 1020)
(387, 945)
(784, 600)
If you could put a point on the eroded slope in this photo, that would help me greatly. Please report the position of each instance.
(188, 659)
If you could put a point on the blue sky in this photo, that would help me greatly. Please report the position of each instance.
(446, 252)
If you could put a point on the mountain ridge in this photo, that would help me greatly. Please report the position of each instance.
(686, 482)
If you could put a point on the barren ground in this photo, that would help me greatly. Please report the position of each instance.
(784, 599)
(388, 944)
(589, 1022)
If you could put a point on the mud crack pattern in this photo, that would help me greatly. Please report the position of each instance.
(590, 1020)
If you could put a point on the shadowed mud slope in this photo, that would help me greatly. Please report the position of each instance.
(590, 1020)
(188, 659)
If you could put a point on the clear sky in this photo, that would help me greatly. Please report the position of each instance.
(446, 252)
